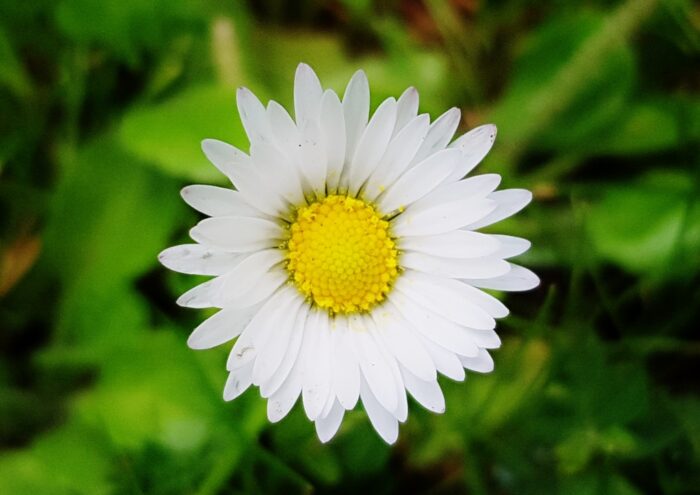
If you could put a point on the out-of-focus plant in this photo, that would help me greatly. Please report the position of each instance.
(102, 107)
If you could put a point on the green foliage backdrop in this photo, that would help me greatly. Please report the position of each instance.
(102, 108)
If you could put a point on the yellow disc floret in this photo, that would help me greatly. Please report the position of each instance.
(340, 254)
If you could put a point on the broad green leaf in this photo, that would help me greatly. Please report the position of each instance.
(12, 74)
(152, 389)
(649, 227)
(110, 217)
(572, 119)
(168, 134)
(644, 128)
(128, 27)
(73, 459)
(576, 451)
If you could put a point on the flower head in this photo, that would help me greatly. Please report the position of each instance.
(347, 262)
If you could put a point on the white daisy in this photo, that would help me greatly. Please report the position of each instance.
(346, 261)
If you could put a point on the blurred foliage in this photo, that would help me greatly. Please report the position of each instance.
(103, 106)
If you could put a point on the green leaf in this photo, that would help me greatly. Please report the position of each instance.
(168, 135)
(72, 459)
(127, 27)
(649, 227)
(110, 217)
(571, 118)
(575, 452)
(152, 389)
(646, 127)
(12, 74)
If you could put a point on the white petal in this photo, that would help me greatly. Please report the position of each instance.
(474, 145)
(482, 363)
(510, 201)
(407, 108)
(222, 327)
(327, 427)
(473, 268)
(435, 327)
(400, 412)
(485, 301)
(382, 420)
(517, 279)
(217, 201)
(312, 157)
(269, 387)
(426, 392)
(401, 341)
(317, 377)
(441, 218)
(401, 150)
(418, 181)
(279, 171)
(333, 134)
(243, 351)
(196, 259)
(346, 371)
(282, 401)
(248, 272)
(279, 308)
(255, 191)
(330, 400)
(486, 339)
(374, 367)
(356, 111)
(264, 321)
(253, 117)
(473, 188)
(441, 297)
(439, 134)
(272, 349)
(307, 94)
(238, 382)
(445, 361)
(217, 293)
(238, 167)
(511, 246)
(455, 244)
(284, 131)
(372, 145)
(237, 234)
(223, 156)
(260, 290)
(206, 295)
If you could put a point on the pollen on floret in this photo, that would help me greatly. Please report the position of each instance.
(341, 255)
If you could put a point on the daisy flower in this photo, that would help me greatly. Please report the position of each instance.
(346, 261)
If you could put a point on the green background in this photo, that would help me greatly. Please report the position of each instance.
(103, 105)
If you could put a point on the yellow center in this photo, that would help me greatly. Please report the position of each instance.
(340, 254)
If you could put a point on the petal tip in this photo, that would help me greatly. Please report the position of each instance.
(303, 67)
(185, 192)
(206, 144)
(193, 342)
